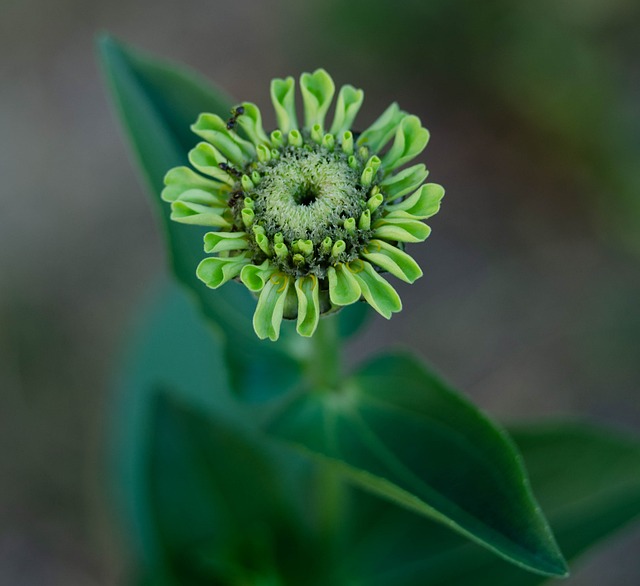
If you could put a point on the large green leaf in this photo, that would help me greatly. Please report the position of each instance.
(353, 318)
(587, 480)
(169, 452)
(169, 348)
(398, 431)
(156, 103)
(218, 501)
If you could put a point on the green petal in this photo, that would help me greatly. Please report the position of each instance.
(317, 92)
(283, 96)
(197, 214)
(221, 241)
(347, 107)
(375, 289)
(255, 277)
(216, 271)
(206, 159)
(214, 130)
(181, 179)
(343, 286)
(307, 290)
(410, 140)
(268, 315)
(205, 198)
(401, 229)
(406, 181)
(392, 259)
(381, 131)
(423, 204)
(251, 122)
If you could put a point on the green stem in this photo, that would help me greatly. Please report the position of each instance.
(325, 364)
(330, 504)
(325, 372)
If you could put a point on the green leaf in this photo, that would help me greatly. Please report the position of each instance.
(216, 496)
(159, 444)
(399, 432)
(156, 103)
(587, 480)
(170, 346)
(353, 319)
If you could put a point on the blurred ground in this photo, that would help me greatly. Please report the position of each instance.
(530, 295)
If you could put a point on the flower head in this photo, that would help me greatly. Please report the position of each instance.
(309, 216)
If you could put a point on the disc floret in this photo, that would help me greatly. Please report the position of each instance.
(306, 217)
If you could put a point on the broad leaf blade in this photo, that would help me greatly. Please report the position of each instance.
(399, 432)
(353, 319)
(170, 347)
(162, 487)
(216, 495)
(587, 480)
(156, 103)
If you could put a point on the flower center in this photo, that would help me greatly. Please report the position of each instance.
(309, 202)
(306, 194)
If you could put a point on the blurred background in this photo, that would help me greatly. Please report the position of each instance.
(530, 300)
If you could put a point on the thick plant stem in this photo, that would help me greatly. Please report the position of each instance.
(325, 372)
(325, 364)
(330, 503)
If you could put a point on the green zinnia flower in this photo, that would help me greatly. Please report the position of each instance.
(310, 215)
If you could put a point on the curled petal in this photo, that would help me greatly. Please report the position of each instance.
(410, 140)
(181, 179)
(403, 182)
(397, 228)
(199, 207)
(251, 122)
(283, 96)
(216, 271)
(343, 286)
(202, 197)
(380, 132)
(375, 289)
(317, 92)
(187, 212)
(307, 290)
(392, 259)
(214, 130)
(347, 106)
(423, 204)
(207, 159)
(222, 241)
(270, 309)
(255, 277)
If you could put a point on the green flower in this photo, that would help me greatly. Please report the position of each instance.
(310, 215)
